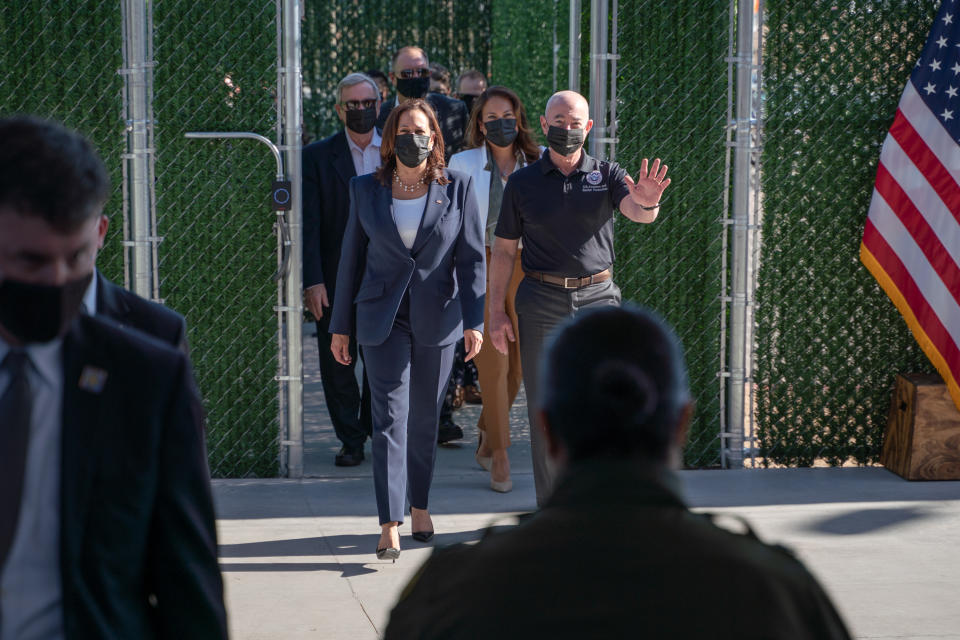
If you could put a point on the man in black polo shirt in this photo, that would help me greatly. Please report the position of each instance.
(562, 207)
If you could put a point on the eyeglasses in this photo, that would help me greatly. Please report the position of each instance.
(415, 73)
(356, 105)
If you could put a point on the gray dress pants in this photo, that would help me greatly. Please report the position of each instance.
(540, 308)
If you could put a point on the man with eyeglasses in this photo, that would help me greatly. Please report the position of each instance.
(411, 77)
(328, 166)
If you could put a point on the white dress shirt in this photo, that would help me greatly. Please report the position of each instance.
(365, 160)
(408, 214)
(31, 593)
(90, 297)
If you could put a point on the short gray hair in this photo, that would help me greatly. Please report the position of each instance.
(354, 79)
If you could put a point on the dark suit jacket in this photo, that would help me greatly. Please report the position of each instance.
(138, 546)
(130, 310)
(615, 554)
(327, 170)
(452, 114)
(444, 271)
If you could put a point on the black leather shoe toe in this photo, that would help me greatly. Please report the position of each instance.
(449, 431)
(349, 456)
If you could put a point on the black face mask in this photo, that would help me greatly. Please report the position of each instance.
(501, 132)
(412, 148)
(361, 120)
(469, 100)
(413, 87)
(565, 141)
(40, 313)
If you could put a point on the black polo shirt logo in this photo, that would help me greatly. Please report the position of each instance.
(594, 182)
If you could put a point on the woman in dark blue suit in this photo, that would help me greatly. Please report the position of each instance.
(410, 282)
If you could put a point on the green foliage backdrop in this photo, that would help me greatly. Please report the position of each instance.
(344, 36)
(216, 71)
(829, 342)
(63, 65)
(673, 105)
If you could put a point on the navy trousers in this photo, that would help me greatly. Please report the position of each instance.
(407, 384)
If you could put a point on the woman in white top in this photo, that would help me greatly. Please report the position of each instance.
(501, 142)
(410, 283)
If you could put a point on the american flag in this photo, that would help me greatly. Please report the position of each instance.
(911, 241)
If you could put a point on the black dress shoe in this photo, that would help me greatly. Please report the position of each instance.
(349, 456)
(422, 536)
(449, 431)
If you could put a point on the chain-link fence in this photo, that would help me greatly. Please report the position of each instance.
(63, 65)
(344, 36)
(216, 71)
(829, 343)
(672, 104)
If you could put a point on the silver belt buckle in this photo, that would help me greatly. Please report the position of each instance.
(576, 283)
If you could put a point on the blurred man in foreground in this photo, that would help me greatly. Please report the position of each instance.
(106, 515)
(615, 553)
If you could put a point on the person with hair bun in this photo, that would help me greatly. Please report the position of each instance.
(410, 283)
(615, 552)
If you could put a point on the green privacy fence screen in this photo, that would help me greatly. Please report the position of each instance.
(344, 36)
(63, 65)
(829, 342)
(672, 104)
(216, 71)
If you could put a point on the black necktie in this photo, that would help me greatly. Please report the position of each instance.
(15, 408)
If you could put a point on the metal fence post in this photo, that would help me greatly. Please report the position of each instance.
(573, 72)
(599, 29)
(138, 159)
(293, 126)
(732, 449)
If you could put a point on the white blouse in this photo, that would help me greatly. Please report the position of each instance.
(407, 215)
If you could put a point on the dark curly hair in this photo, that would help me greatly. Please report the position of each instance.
(388, 156)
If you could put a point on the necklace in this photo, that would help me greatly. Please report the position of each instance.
(407, 188)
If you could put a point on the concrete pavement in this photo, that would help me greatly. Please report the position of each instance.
(298, 556)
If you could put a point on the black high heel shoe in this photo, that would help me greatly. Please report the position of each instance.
(388, 553)
(420, 536)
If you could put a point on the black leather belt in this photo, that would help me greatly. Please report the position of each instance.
(569, 283)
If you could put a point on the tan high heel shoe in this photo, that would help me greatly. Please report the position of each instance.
(485, 462)
(500, 486)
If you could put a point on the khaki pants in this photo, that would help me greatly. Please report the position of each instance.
(500, 375)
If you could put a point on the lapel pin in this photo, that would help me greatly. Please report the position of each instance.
(439, 201)
(93, 379)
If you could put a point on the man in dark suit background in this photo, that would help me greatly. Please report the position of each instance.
(614, 552)
(130, 310)
(328, 166)
(411, 77)
(106, 515)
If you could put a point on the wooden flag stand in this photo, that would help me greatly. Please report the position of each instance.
(922, 441)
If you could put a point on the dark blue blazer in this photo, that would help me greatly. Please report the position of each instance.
(327, 170)
(130, 310)
(444, 271)
(136, 510)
